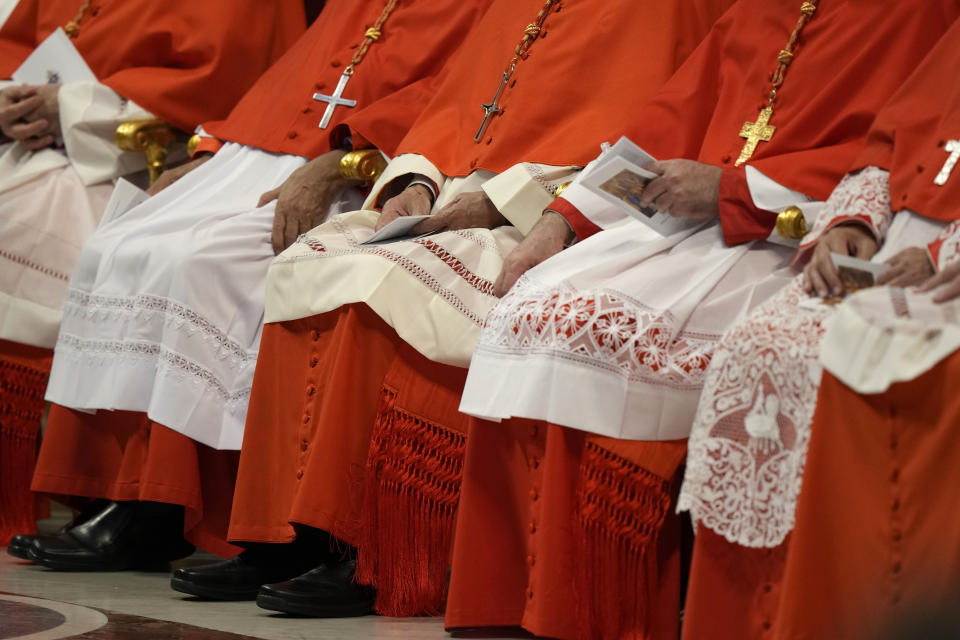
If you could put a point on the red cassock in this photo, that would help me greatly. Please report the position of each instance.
(563, 534)
(278, 114)
(877, 529)
(320, 381)
(161, 56)
(737, 592)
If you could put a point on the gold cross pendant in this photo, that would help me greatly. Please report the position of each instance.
(755, 133)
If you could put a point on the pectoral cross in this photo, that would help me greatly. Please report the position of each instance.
(492, 108)
(334, 101)
(755, 133)
(953, 148)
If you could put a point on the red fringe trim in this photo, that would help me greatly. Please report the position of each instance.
(621, 508)
(21, 413)
(412, 489)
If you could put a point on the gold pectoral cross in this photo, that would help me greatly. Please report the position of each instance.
(491, 109)
(953, 148)
(755, 133)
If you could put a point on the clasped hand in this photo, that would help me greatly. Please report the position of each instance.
(31, 114)
(472, 210)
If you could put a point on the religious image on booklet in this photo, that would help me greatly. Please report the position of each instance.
(855, 274)
(621, 182)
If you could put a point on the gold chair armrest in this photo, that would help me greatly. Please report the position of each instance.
(791, 223)
(151, 136)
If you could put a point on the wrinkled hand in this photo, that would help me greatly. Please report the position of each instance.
(26, 115)
(946, 282)
(467, 211)
(909, 268)
(684, 189)
(547, 238)
(820, 277)
(304, 198)
(170, 176)
(415, 200)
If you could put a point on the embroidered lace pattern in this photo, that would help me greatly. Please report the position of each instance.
(69, 345)
(97, 308)
(345, 243)
(749, 440)
(601, 329)
(950, 249)
(862, 196)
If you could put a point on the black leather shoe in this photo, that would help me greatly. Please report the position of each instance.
(239, 578)
(21, 543)
(325, 592)
(125, 535)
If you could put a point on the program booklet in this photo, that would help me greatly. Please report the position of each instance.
(619, 178)
(54, 61)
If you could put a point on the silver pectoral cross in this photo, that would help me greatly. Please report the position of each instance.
(491, 109)
(953, 148)
(334, 101)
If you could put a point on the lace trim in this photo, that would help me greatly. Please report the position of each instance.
(749, 440)
(473, 280)
(604, 329)
(70, 345)
(35, 266)
(864, 195)
(94, 307)
(950, 249)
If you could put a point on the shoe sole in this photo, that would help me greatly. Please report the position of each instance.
(224, 594)
(276, 603)
(55, 564)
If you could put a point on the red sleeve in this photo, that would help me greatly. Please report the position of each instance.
(207, 145)
(581, 224)
(740, 220)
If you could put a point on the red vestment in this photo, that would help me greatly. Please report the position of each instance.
(278, 114)
(330, 372)
(906, 139)
(876, 529)
(162, 56)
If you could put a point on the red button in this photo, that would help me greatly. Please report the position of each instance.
(473, 163)
(304, 445)
(533, 527)
(534, 431)
(895, 475)
(315, 335)
(292, 135)
(531, 560)
(300, 474)
(530, 594)
(895, 505)
(726, 159)
(306, 419)
(334, 63)
(535, 463)
(314, 362)
(320, 86)
(534, 495)
(311, 390)
(306, 110)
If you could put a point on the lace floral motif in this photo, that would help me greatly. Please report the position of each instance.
(603, 329)
(749, 439)
(863, 196)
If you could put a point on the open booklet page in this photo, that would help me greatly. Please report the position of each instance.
(619, 177)
(55, 61)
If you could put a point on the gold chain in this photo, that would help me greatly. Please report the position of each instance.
(372, 35)
(530, 33)
(762, 131)
(73, 27)
(786, 55)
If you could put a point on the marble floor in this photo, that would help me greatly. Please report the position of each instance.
(37, 604)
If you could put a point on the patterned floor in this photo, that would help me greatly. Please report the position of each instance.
(37, 604)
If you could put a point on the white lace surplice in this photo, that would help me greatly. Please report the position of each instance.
(165, 307)
(613, 336)
(749, 440)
